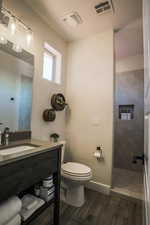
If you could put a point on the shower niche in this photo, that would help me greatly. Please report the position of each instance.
(126, 112)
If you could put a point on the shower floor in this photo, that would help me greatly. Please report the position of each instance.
(129, 183)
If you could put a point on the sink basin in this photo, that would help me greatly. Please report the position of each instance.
(16, 150)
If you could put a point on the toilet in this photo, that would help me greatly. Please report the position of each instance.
(73, 178)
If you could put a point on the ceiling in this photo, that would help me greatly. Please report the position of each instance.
(52, 11)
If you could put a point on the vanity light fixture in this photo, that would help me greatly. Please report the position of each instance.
(16, 31)
(13, 25)
(3, 35)
(29, 36)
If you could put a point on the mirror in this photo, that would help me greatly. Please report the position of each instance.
(16, 78)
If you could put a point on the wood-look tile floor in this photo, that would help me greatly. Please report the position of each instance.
(99, 209)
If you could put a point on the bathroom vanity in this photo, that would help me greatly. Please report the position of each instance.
(23, 164)
(19, 172)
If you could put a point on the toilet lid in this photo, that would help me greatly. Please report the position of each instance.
(77, 169)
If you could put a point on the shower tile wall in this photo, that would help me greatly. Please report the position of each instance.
(129, 134)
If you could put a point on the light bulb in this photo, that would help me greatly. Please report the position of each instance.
(29, 37)
(3, 34)
(3, 40)
(13, 26)
(17, 48)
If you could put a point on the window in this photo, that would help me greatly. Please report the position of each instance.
(48, 66)
(52, 64)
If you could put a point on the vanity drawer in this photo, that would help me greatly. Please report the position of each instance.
(20, 175)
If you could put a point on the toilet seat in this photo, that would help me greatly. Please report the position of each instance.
(76, 170)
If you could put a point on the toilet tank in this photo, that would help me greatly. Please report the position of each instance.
(63, 150)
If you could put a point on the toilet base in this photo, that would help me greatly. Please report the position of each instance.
(72, 194)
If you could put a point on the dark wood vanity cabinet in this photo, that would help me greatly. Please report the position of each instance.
(18, 176)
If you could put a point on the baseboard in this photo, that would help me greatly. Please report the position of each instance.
(99, 187)
(146, 219)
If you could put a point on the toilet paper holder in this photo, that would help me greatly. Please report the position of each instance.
(98, 154)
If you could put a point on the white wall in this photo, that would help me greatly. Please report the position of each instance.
(42, 89)
(89, 92)
(130, 63)
(90, 97)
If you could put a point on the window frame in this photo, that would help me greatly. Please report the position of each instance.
(57, 64)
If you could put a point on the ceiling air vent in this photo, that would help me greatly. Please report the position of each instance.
(72, 19)
(105, 6)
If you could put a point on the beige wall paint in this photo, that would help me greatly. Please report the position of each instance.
(90, 97)
(42, 89)
(130, 63)
(89, 92)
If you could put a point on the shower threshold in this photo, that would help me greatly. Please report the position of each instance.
(128, 183)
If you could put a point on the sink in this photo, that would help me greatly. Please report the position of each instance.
(10, 151)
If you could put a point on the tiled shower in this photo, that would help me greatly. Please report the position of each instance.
(128, 132)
